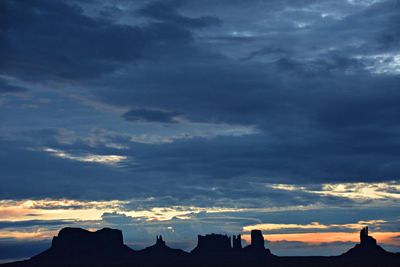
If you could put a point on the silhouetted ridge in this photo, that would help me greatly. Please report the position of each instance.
(367, 246)
(160, 248)
(160, 242)
(75, 247)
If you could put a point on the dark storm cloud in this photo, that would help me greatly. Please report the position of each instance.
(54, 40)
(226, 171)
(284, 162)
(25, 184)
(206, 104)
(202, 187)
(32, 223)
(151, 115)
(49, 39)
(167, 11)
(322, 116)
(303, 74)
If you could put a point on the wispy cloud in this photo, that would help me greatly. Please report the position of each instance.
(388, 63)
(38, 234)
(354, 191)
(69, 209)
(101, 159)
(62, 209)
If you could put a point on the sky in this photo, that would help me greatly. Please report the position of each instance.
(191, 117)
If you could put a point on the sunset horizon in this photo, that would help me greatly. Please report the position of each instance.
(183, 118)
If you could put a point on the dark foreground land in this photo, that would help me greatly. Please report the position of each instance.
(75, 247)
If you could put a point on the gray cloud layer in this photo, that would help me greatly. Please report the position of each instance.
(197, 103)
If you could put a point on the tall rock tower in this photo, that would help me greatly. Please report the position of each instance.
(257, 239)
(159, 241)
(237, 242)
(257, 244)
(365, 239)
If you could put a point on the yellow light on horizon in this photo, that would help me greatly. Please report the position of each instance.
(389, 238)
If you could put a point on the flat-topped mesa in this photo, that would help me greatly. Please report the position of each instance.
(74, 245)
(237, 242)
(213, 242)
(78, 238)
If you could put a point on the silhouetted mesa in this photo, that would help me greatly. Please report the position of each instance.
(79, 238)
(212, 242)
(78, 245)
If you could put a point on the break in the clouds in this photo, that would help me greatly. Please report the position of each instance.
(187, 117)
(102, 159)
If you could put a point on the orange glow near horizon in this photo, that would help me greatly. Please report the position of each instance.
(91, 213)
(62, 209)
(39, 234)
(67, 209)
(388, 238)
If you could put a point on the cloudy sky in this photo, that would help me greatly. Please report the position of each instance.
(190, 117)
